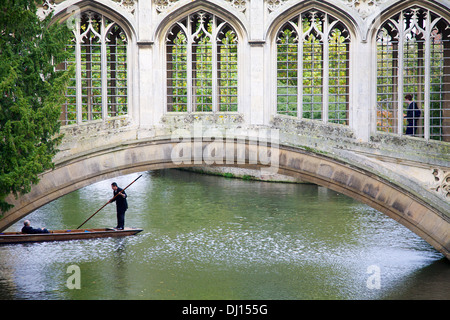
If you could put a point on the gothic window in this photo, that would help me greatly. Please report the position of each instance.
(313, 68)
(413, 58)
(201, 54)
(99, 88)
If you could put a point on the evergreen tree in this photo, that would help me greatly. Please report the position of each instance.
(31, 95)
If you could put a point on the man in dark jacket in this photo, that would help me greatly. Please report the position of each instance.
(121, 204)
(412, 115)
(28, 229)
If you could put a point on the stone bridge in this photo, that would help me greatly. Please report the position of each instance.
(309, 89)
(402, 178)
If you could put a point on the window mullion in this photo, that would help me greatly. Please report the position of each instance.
(300, 42)
(104, 69)
(214, 84)
(78, 72)
(400, 81)
(189, 84)
(427, 97)
(325, 68)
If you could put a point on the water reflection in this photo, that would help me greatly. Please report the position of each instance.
(213, 238)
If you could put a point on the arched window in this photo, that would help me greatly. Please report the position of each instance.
(413, 58)
(313, 68)
(202, 61)
(99, 89)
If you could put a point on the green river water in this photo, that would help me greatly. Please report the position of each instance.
(209, 237)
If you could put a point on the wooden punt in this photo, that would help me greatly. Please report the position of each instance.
(64, 235)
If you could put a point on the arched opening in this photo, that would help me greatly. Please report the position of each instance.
(202, 64)
(313, 67)
(413, 60)
(99, 88)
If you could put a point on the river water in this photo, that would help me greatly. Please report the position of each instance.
(208, 237)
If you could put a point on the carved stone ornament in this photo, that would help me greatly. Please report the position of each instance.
(272, 5)
(50, 5)
(240, 5)
(129, 5)
(364, 7)
(47, 7)
(442, 183)
(163, 5)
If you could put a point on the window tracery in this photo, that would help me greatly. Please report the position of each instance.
(201, 52)
(313, 68)
(413, 57)
(99, 88)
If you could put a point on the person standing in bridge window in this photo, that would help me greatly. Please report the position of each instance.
(412, 116)
(120, 197)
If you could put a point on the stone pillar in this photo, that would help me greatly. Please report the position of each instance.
(257, 83)
(256, 61)
(145, 43)
(363, 119)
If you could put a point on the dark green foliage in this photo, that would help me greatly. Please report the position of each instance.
(31, 95)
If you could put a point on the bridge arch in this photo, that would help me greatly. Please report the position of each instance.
(390, 198)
